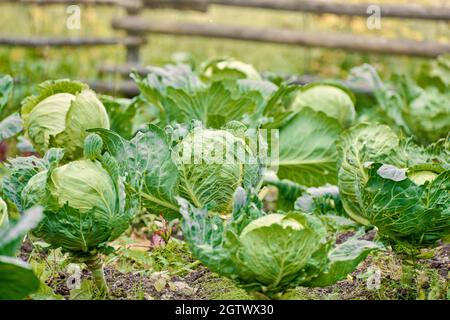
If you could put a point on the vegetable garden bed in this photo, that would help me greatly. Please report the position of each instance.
(217, 182)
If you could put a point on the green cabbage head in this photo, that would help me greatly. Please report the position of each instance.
(220, 69)
(408, 205)
(210, 168)
(335, 101)
(204, 166)
(270, 253)
(59, 115)
(426, 114)
(402, 189)
(84, 205)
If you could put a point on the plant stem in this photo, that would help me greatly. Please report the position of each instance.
(95, 265)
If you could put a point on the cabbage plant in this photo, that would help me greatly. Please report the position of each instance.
(228, 90)
(408, 204)
(267, 254)
(59, 115)
(85, 203)
(228, 68)
(334, 100)
(400, 188)
(420, 111)
(204, 166)
(16, 277)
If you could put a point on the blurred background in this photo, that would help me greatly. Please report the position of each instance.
(31, 64)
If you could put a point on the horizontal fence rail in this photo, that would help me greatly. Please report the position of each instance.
(124, 3)
(196, 5)
(69, 42)
(411, 11)
(291, 37)
(125, 88)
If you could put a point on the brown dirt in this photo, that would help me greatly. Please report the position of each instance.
(441, 260)
(131, 286)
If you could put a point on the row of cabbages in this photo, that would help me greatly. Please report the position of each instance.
(95, 175)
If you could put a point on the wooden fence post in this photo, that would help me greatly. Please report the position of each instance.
(133, 50)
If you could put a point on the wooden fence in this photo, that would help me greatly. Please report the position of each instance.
(136, 27)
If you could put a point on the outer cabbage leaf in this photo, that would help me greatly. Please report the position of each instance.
(205, 237)
(21, 170)
(6, 88)
(426, 113)
(122, 113)
(146, 162)
(420, 112)
(342, 261)
(307, 152)
(10, 126)
(213, 106)
(436, 73)
(16, 277)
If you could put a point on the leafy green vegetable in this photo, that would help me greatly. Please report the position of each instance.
(60, 115)
(334, 100)
(220, 69)
(307, 148)
(213, 106)
(6, 88)
(324, 202)
(375, 191)
(122, 113)
(10, 126)
(180, 95)
(204, 166)
(288, 191)
(409, 209)
(16, 277)
(85, 203)
(269, 254)
(436, 73)
(421, 112)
